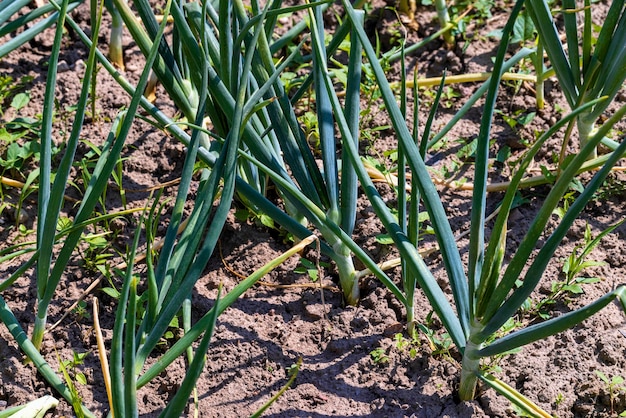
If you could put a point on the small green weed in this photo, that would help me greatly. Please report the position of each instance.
(572, 270)
(559, 399)
(401, 345)
(379, 356)
(81, 311)
(439, 344)
(519, 118)
(246, 214)
(410, 345)
(14, 154)
(72, 376)
(614, 386)
(613, 186)
(24, 232)
(447, 100)
(568, 199)
(97, 253)
(171, 335)
(310, 268)
(72, 366)
(310, 127)
(524, 31)
(481, 9)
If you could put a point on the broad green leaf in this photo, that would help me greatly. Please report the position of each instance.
(20, 100)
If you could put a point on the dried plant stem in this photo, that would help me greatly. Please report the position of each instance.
(102, 354)
(20, 185)
(469, 78)
(524, 184)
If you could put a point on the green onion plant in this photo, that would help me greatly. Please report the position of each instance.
(587, 68)
(322, 197)
(444, 21)
(116, 52)
(272, 141)
(50, 196)
(484, 292)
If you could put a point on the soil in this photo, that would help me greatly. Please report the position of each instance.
(356, 361)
